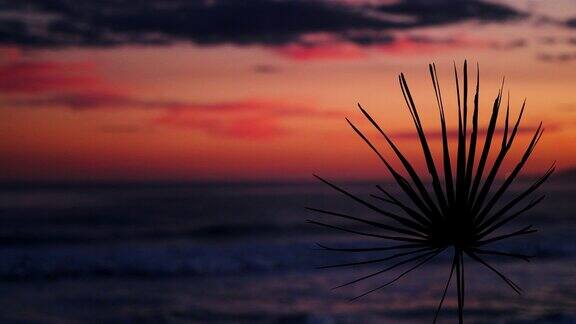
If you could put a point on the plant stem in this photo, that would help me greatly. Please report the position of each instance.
(460, 283)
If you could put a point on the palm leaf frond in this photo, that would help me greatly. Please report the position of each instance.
(458, 210)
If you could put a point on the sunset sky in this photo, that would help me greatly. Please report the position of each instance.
(258, 90)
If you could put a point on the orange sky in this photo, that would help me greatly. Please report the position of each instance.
(220, 111)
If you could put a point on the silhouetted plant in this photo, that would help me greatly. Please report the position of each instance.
(463, 213)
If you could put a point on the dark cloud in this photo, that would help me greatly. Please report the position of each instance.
(52, 23)
(439, 12)
(571, 23)
(124, 129)
(558, 58)
(549, 40)
(266, 69)
(508, 45)
(90, 100)
(94, 100)
(554, 41)
(567, 107)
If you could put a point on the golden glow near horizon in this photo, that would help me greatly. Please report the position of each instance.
(271, 111)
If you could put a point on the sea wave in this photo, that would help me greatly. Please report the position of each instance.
(194, 259)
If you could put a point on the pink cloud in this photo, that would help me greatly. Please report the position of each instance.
(253, 127)
(260, 106)
(344, 50)
(31, 77)
(51, 84)
(249, 119)
(10, 53)
(425, 45)
(331, 51)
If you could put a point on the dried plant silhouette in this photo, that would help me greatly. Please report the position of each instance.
(461, 209)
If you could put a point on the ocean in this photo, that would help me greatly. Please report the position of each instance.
(244, 253)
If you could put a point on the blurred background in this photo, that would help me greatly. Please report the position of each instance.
(156, 156)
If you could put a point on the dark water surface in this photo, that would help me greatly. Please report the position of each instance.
(243, 253)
